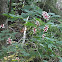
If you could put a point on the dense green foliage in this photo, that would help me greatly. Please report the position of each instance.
(35, 48)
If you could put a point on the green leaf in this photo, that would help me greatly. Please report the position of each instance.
(56, 16)
(45, 61)
(30, 24)
(51, 39)
(51, 14)
(42, 45)
(25, 15)
(27, 7)
(25, 54)
(14, 4)
(6, 14)
(50, 46)
(59, 42)
(60, 59)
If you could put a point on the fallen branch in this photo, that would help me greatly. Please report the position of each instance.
(24, 34)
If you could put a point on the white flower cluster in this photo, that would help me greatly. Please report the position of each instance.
(45, 28)
(45, 15)
(9, 41)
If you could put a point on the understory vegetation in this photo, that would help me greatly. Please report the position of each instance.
(33, 34)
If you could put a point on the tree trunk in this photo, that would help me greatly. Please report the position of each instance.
(3, 19)
(3, 9)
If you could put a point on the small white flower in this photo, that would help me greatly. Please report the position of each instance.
(2, 26)
(37, 23)
(45, 28)
(17, 58)
(9, 41)
(34, 30)
(43, 35)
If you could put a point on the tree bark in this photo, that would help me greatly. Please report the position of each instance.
(3, 9)
(3, 19)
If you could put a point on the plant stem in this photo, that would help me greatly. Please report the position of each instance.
(24, 35)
